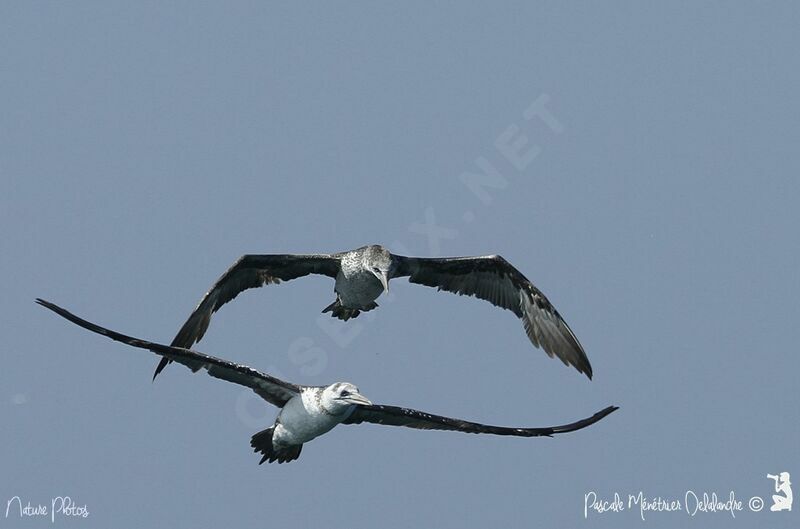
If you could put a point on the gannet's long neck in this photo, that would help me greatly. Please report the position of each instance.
(318, 406)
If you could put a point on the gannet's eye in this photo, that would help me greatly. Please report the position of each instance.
(344, 393)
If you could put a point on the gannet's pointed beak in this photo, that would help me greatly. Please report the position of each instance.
(357, 398)
(384, 277)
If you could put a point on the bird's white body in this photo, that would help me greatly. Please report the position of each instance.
(357, 288)
(359, 281)
(305, 417)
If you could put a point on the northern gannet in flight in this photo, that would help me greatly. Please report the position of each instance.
(310, 411)
(363, 274)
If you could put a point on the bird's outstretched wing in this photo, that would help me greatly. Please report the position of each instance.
(395, 416)
(271, 389)
(249, 271)
(495, 280)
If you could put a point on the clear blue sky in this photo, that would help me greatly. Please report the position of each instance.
(144, 146)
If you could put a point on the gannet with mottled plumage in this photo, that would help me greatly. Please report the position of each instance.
(310, 411)
(363, 274)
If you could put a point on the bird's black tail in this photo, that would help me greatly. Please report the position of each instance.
(338, 310)
(262, 443)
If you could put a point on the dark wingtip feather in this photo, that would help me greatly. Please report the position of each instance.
(579, 425)
(161, 365)
(603, 413)
(586, 369)
(44, 303)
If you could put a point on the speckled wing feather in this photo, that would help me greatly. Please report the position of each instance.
(271, 389)
(495, 280)
(395, 416)
(249, 271)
